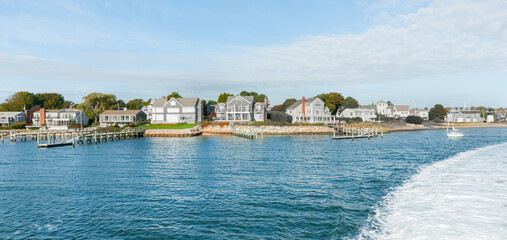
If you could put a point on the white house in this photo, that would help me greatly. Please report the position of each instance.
(9, 118)
(240, 109)
(366, 114)
(310, 110)
(490, 117)
(59, 118)
(423, 113)
(176, 110)
(120, 117)
(402, 111)
(463, 115)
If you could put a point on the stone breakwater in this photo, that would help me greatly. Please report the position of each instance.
(271, 130)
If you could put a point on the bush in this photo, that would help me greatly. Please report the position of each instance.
(20, 125)
(277, 116)
(414, 120)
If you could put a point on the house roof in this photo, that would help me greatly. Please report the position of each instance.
(188, 102)
(372, 107)
(402, 107)
(9, 114)
(120, 112)
(248, 98)
(158, 102)
(298, 102)
(381, 101)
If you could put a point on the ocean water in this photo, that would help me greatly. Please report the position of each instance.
(409, 185)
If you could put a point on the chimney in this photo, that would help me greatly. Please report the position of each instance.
(304, 111)
(166, 99)
(42, 117)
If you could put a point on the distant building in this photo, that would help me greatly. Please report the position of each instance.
(310, 110)
(423, 113)
(176, 110)
(120, 118)
(366, 114)
(148, 110)
(463, 115)
(9, 118)
(59, 119)
(500, 115)
(402, 111)
(490, 117)
(385, 109)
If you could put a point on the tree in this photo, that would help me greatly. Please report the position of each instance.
(212, 102)
(331, 100)
(18, 101)
(50, 100)
(349, 102)
(223, 97)
(95, 103)
(120, 104)
(135, 104)
(438, 111)
(174, 95)
(414, 119)
(288, 102)
(278, 108)
(389, 103)
(257, 97)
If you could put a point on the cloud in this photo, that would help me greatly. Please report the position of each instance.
(446, 37)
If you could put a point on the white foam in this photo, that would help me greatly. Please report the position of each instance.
(463, 197)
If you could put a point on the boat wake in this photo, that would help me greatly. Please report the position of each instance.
(463, 197)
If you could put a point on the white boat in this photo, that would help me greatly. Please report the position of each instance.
(454, 133)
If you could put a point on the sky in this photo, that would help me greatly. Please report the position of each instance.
(416, 53)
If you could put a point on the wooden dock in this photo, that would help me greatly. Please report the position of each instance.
(250, 134)
(53, 138)
(345, 132)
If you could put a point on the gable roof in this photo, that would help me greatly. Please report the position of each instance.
(9, 114)
(247, 98)
(188, 102)
(404, 108)
(298, 102)
(158, 102)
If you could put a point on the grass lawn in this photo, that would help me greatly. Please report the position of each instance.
(169, 126)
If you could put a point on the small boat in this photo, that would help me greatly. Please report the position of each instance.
(454, 133)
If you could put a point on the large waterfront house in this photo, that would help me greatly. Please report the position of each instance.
(148, 110)
(423, 113)
(366, 114)
(240, 109)
(385, 109)
(9, 118)
(310, 110)
(402, 111)
(463, 115)
(176, 110)
(59, 119)
(120, 118)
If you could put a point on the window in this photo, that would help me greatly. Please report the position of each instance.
(172, 103)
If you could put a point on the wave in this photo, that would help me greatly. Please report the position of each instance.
(463, 197)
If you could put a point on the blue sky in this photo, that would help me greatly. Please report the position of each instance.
(423, 51)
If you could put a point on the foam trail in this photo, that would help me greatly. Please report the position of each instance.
(463, 197)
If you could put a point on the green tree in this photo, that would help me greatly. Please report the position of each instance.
(331, 100)
(414, 119)
(50, 100)
(223, 97)
(95, 103)
(174, 95)
(389, 103)
(18, 101)
(212, 102)
(349, 102)
(438, 111)
(257, 97)
(135, 104)
(288, 102)
(278, 108)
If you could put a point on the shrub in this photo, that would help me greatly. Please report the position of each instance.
(414, 120)
(277, 116)
(20, 125)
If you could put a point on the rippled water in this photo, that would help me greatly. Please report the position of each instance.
(213, 187)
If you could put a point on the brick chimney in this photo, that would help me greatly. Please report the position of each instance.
(165, 98)
(42, 117)
(304, 109)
